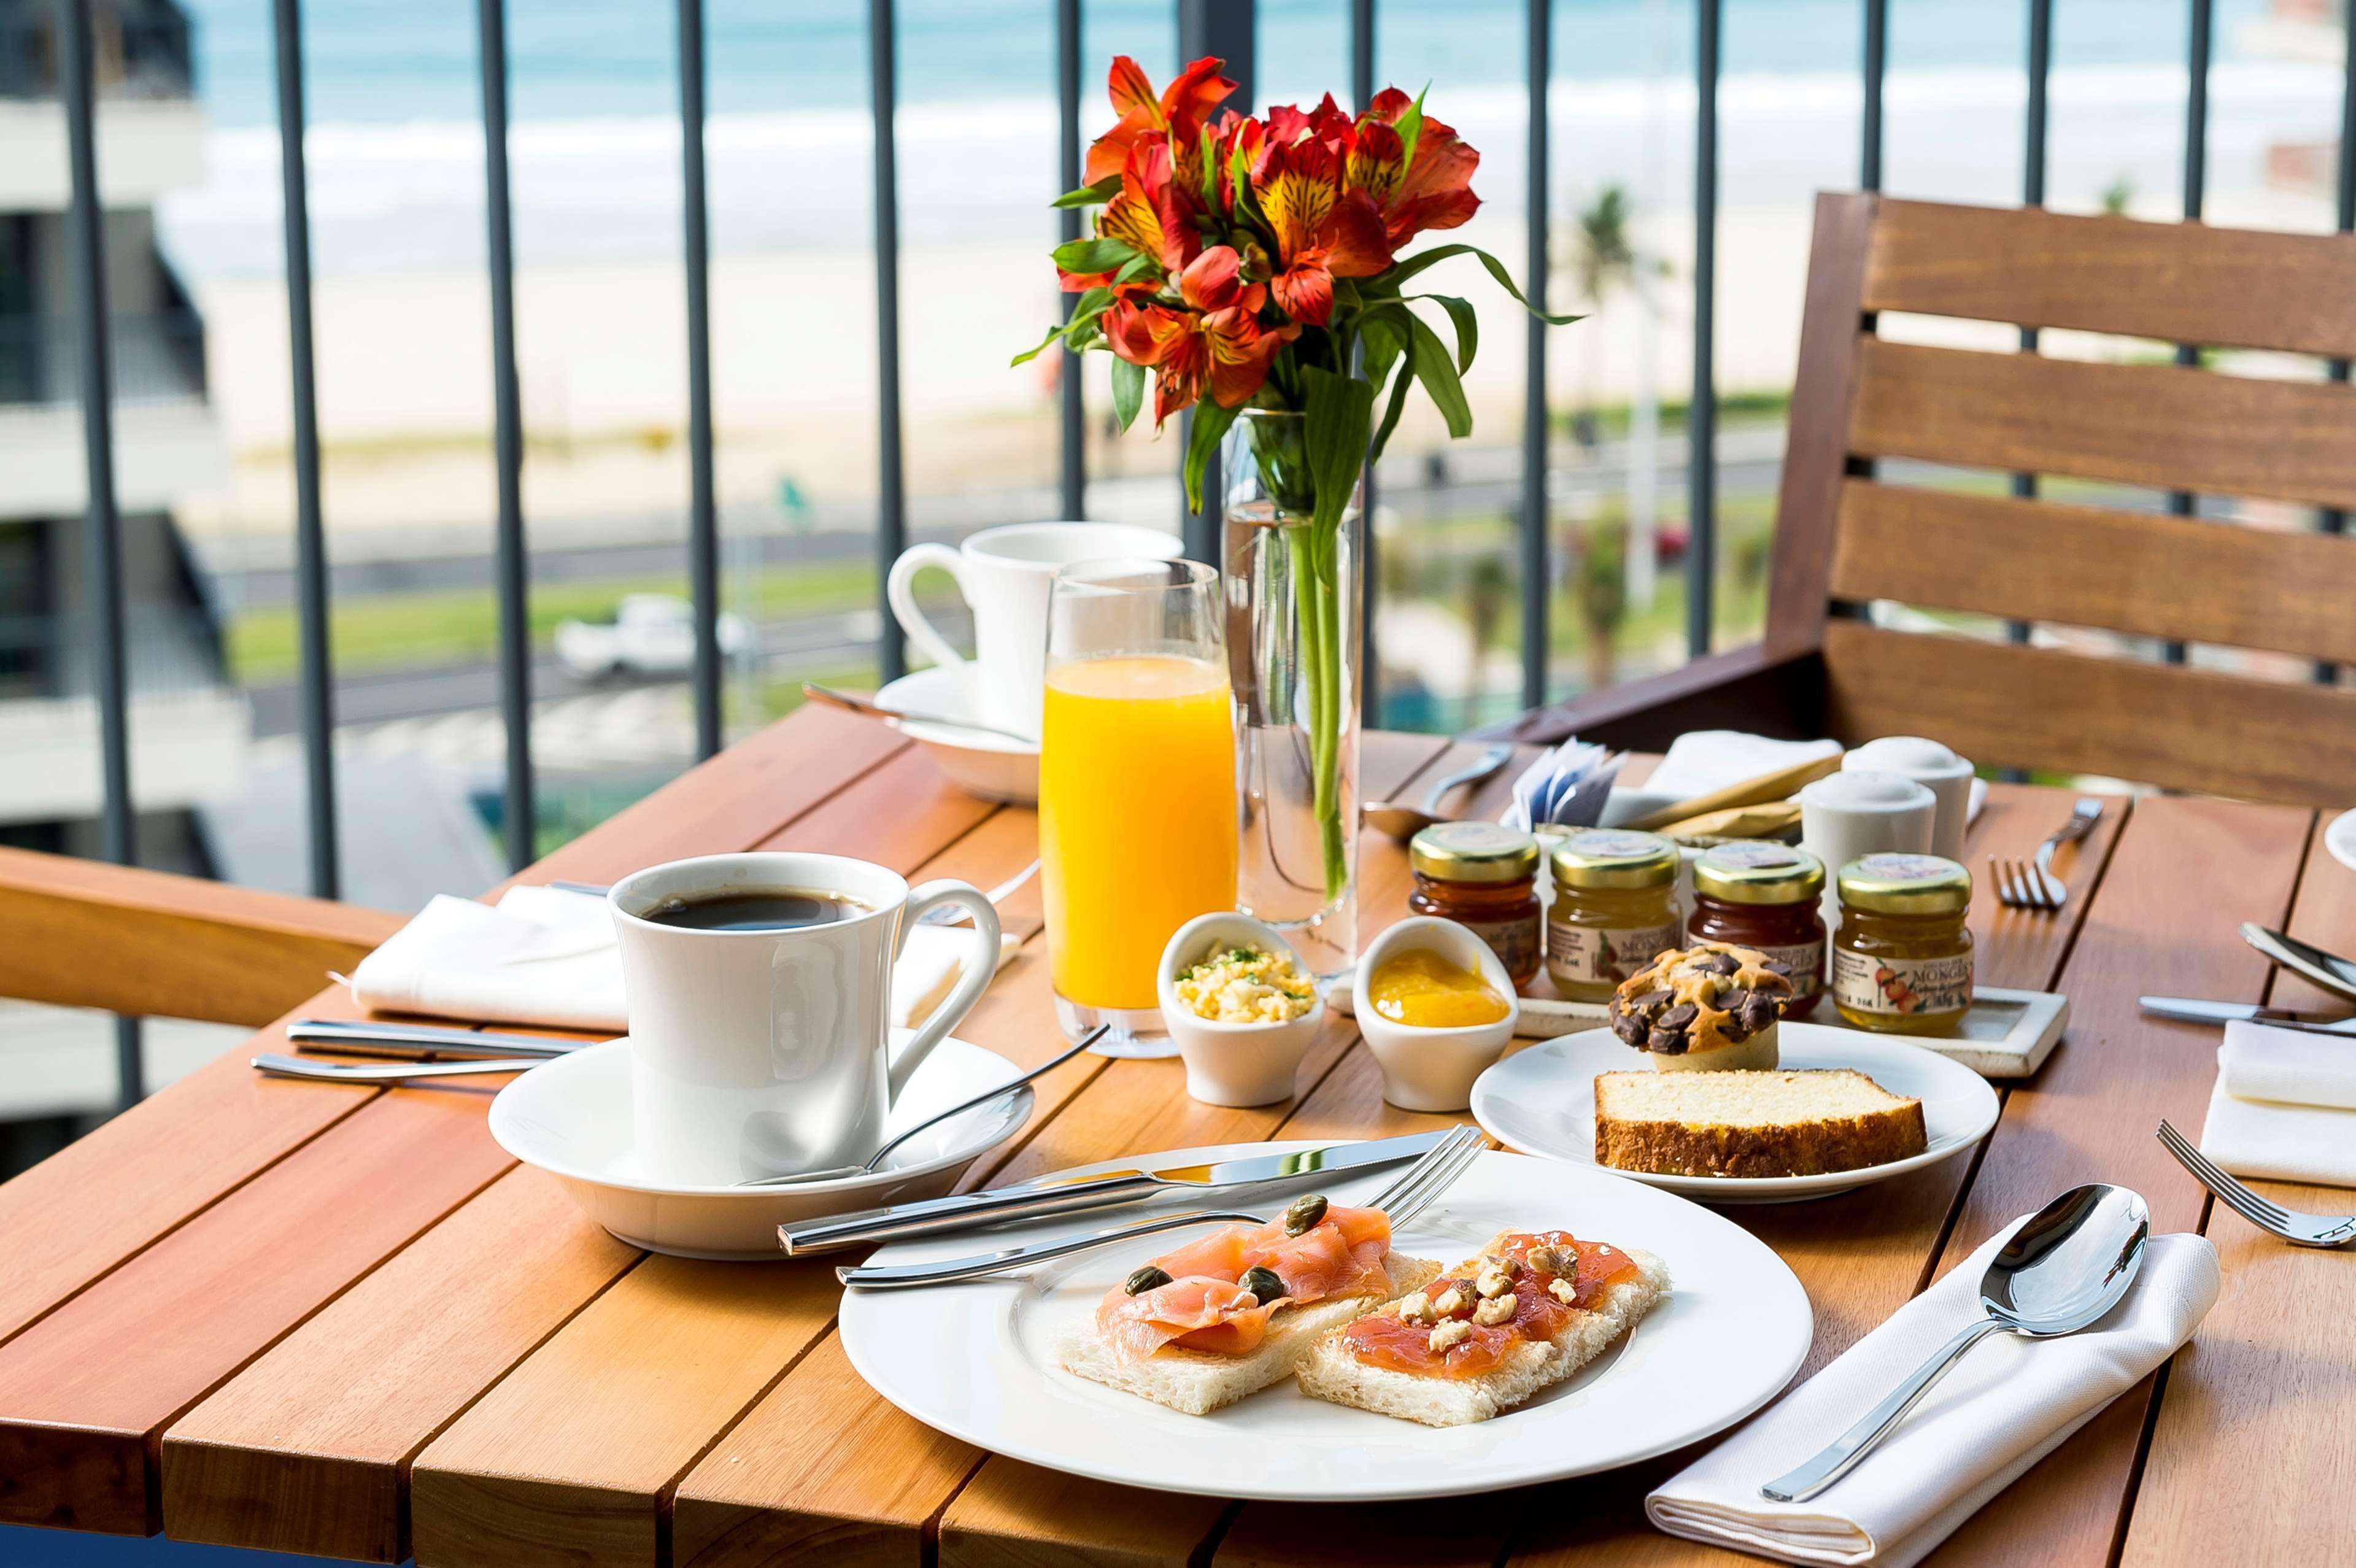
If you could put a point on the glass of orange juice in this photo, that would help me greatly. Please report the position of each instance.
(1137, 786)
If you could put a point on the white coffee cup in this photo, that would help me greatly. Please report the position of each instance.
(1937, 770)
(767, 1052)
(1847, 814)
(1005, 574)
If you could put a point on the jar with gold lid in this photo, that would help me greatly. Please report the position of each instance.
(1614, 910)
(1765, 897)
(1902, 963)
(1483, 877)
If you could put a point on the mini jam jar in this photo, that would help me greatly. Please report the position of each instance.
(1614, 910)
(1765, 896)
(1901, 963)
(1483, 877)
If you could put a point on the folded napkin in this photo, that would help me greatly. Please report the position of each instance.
(1699, 761)
(1565, 786)
(2006, 1405)
(2281, 1106)
(546, 957)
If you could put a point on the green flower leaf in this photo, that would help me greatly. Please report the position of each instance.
(1468, 325)
(1211, 424)
(1433, 368)
(1339, 411)
(1091, 304)
(1383, 342)
(1402, 271)
(1127, 391)
(1095, 195)
(1097, 255)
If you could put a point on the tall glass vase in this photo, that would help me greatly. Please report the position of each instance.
(1292, 651)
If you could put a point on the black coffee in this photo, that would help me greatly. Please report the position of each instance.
(758, 909)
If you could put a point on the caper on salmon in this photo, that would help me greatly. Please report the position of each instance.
(1145, 1279)
(1263, 1284)
(1303, 1215)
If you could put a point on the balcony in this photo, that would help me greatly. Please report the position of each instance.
(167, 438)
(150, 125)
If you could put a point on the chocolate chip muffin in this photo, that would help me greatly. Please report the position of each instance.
(1711, 1006)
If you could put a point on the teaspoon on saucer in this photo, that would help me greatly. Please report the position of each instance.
(1403, 822)
(873, 709)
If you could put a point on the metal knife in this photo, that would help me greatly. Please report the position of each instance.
(2202, 1011)
(2306, 960)
(408, 1042)
(1101, 1189)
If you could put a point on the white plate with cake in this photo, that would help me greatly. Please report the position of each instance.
(1537, 1321)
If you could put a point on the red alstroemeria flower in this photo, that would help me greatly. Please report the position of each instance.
(1152, 213)
(1322, 230)
(1215, 343)
(1180, 113)
(1434, 192)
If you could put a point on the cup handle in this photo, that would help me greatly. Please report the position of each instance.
(898, 590)
(976, 976)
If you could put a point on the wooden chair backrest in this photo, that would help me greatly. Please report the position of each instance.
(1846, 538)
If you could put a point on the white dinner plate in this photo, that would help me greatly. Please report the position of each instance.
(2339, 838)
(1542, 1101)
(974, 1359)
(980, 765)
(571, 1118)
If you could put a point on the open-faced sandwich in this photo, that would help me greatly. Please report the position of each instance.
(1493, 1332)
(1709, 1006)
(1235, 1312)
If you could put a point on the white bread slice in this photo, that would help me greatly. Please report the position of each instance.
(1196, 1382)
(1331, 1372)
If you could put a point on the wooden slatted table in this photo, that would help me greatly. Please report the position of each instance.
(323, 1319)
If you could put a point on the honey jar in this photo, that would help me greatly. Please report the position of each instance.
(1483, 877)
(1902, 963)
(1765, 896)
(1614, 908)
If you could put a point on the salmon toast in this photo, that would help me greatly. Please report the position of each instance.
(1235, 1311)
(1491, 1334)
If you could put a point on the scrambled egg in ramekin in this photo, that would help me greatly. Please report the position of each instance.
(1246, 985)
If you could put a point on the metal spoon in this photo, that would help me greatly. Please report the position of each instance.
(875, 1160)
(1403, 822)
(2309, 962)
(2060, 1272)
(875, 710)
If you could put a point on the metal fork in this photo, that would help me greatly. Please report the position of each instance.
(1416, 1188)
(2032, 886)
(2300, 1230)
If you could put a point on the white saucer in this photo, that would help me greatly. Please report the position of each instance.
(1542, 1101)
(2339, 838)
(976, 1360)
(979, 764)
(571, 1118)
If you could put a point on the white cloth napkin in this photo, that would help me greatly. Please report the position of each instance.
(2281, 1106)
(1699, 761)
(2008, 1403)
(541, 956)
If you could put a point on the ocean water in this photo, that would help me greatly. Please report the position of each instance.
(395, 149)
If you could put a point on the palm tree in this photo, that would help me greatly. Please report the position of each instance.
(1604, 262)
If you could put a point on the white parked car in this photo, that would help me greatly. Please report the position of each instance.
(650, 634)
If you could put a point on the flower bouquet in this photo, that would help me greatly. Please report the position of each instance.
(1253, 267)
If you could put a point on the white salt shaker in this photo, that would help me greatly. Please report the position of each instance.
(1933, 765)
(1858, 812)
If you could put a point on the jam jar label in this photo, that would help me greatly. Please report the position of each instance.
(1902, 984)
(1517, 943)
(1806, 963)
(1594, 953)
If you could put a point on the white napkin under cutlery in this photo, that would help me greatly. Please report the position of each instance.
(544, 956)
(2284, 1106)
(2007, 1404)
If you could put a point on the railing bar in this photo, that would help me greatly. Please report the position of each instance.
(2182, 503)
(702, 509)
(1226, 29)
(506, 400)
(1702, 419)
(2034, 158)
(2333, 520)
(310, 533)
(1069, 385)
(1370, 668)
(1537, 582)
(101, 524)
(1877, 66)
(891, 502)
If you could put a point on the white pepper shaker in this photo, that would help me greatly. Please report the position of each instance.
(1933, 765)
(1858, 812)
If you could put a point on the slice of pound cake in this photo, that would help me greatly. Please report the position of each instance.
(1790, 1122)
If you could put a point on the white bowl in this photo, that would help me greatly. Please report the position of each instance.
(1231, 1064)
(980, 765)
(1425, 1068)
(571, 1118)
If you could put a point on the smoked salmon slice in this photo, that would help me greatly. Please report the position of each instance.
(1203, 1308)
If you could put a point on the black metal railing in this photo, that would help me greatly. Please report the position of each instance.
(1225, 28)
(141, 48)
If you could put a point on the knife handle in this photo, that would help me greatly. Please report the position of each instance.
(365, 1037)
(962, 1211)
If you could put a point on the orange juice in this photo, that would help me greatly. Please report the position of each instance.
(1137, 818)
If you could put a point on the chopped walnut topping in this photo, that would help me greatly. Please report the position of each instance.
(1564, 1292)
(1495, 1310)
(1546, 1260)
(1450, 1301)
(1416, 1308)
(1493, 1281)
(1449, 1334)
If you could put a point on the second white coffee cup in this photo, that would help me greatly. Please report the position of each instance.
(1006, 575)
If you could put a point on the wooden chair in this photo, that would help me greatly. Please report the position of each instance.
(1845, 538)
